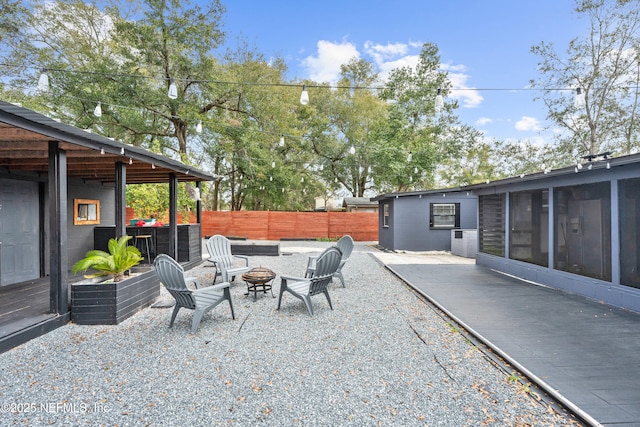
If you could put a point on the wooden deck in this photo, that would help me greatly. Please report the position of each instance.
(21, 302)
(24, 312)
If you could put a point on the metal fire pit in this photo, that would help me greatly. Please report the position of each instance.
(258, 279)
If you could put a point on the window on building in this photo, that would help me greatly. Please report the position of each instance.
(529, 226)
(491, 224)
(444, 215)
(385, 215)
(86, 212)
(582, 217)
(629, 206)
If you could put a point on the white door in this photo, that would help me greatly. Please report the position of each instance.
(19, 231)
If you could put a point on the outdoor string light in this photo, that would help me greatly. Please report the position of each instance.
(43, 85)
(173, 90)
(98, 110)
(439, 101)
(304, 96)
(43, 81)
(579, 99)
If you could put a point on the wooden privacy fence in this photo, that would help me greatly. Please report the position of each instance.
(276, 225)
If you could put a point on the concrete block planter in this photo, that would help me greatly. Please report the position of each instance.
(112, 303)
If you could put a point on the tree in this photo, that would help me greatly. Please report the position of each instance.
(243, 141)
(424, 133)
(12, 15)
(98, 56)
(605, 67)
(343, 126)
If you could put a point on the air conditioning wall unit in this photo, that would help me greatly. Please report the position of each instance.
(464, 243)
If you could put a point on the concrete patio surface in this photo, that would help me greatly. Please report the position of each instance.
(585, 352)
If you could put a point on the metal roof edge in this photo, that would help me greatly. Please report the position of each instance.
(417, 193)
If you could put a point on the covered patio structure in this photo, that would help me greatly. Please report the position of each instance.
(47, 170)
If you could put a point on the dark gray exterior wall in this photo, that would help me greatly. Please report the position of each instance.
(610, 292)
(409, 221)
(81, 236)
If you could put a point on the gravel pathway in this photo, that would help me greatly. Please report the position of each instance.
(380, 358)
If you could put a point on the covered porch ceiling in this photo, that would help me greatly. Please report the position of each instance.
(24, 150)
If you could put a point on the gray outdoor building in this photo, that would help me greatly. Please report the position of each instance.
(575, 229)
(423, 220)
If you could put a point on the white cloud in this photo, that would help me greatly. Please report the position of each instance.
(483, 121)
(406, 61)
(390, 56)
(527, 123)
(538, 141)
(383, 52)
(467, 96)
(325, 66)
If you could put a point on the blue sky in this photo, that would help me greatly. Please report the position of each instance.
(484, 45)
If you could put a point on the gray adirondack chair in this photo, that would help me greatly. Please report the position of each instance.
(304, 288)
(345, 244)
(228, 266)
(201, 300)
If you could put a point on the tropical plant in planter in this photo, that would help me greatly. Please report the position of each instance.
(120, 258)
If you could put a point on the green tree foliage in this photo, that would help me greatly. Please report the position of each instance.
(358, 138)
(94, 55)
(152, 200)
(432, 134)
(243, 139)
(605, 65)
(10, 18)
(341, 126)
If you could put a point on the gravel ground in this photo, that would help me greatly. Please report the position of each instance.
(381, 357)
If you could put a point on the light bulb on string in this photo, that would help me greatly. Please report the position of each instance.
(439, 101)
(273, 164)
(409, 157)
(43, 81)
(304, 95)
(281, 143)
(579, 100)
(173, 90)
(98, 110)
